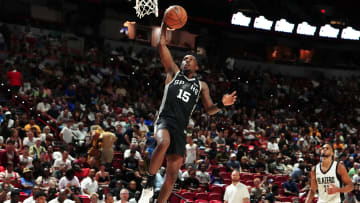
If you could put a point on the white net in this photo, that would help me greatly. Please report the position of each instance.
(146, 7)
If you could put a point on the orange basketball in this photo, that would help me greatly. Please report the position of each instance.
(175, 17)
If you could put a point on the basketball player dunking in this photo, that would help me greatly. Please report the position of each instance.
(182, 91)
(328, 177)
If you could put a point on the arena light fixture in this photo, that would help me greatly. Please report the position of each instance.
(328, 31)
(240, 19)
(284, 26)
(350, 33)
(262, 23)
(305, 29)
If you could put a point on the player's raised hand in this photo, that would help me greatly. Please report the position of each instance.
(333, 189)
(229, 99)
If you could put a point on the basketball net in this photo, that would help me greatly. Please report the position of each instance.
(146, 7)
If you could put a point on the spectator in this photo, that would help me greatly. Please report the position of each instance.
(46, 133)
(95, 146)
(356, 178)
(66, 134)
(62, 197)
(203, 176)
(220, 140)
(15, 137)
(31, 125)
(94, 198)
(132, 147)
(5, 188)
(159, 179)
(9, 155)
(27, 181)
(273, 146)
(102, 177)
(233, 164)
(25, 157)
(143, 127)
(62, 164)
(216, 179)
(273, 195)
(191, 152)
(32, 198)
(191, 183)
(124, 196)
(69, 180)
(257, 191)
(10, 176)
(298, 172)
(244, 166)
(354, 170)
(15, 79)
(236, 191)
(131, 165)
(133, 192)
(43, 106)
(109, 198)
(107, 152)
(89, 185)
(40, 197)
(117, 188)
(37, 149)
(186, 174)
(14, 197)
(290, 187)
(45, 182)
(29, 140)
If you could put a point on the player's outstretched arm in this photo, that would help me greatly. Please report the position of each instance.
(210, 107)
(341, 170)
(313, 187)
(165, 55)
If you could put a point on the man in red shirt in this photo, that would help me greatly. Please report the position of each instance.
(14, 78)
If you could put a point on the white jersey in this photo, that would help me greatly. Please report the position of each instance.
(324, 179)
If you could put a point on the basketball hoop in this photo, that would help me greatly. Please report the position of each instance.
(146, 7)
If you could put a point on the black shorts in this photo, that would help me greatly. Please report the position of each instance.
(177, 136)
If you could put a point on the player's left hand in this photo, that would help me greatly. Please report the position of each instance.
(229, 99)
(333, 189)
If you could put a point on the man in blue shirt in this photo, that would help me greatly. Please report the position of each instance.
(233, 164)
(290, 187)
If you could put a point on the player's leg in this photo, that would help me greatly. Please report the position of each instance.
(174, 162)
(163, 141)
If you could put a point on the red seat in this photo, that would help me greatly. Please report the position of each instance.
(285, 199)
(249, 183)
(23, 196)
(225, 175)
(201, 195)
(201, 201)
(174, 199)
(215, 201)
(215, 196)
(187, 201)
(227, 181)
(279, 178)
(211, 168)
(246, 176)
(84, 198)
(188, 195)
(216, 188)
(222, 169)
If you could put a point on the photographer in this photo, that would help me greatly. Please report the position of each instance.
(66, 196)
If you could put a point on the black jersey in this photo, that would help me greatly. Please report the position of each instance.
(179, 100)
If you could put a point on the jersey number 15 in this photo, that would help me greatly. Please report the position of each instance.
(184, 95)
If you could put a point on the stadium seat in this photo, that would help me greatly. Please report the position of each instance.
(186, 201)
(23, 196)
(222, 169)
(84, 198)
(201, 195)
(249, 182)
(174, 199)
(215, 196)
(201, 201)
(188, 195)
(227, 181)
(215, 201)
(279, 178)
(216, 188)
(225, 175)
(246, 176)
(285, 199)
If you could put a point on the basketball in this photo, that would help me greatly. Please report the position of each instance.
(175, 17)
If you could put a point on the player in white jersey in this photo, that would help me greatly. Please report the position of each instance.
(330, 178)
